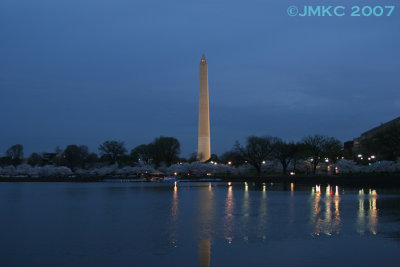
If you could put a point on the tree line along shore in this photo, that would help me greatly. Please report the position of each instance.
(259, 156)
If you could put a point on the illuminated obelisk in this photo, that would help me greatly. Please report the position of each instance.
(203, 149)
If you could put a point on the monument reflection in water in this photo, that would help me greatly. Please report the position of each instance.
(205, 224)
(242, 214)
(197, 224)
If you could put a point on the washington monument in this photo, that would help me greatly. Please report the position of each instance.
(203, 149)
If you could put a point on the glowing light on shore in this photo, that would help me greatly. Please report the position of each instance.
(337, 191)
(230, 183)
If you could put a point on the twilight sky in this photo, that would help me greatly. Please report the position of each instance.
(86, 71)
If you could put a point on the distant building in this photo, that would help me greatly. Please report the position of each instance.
(348, 145)
(354, 146)
(379, 129)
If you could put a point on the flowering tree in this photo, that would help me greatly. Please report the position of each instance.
(198, 168)
(8, 170)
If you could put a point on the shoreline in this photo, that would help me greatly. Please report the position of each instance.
(381, 180)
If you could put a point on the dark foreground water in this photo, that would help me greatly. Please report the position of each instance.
(197, 224)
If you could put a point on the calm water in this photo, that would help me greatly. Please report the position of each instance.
(196, 224)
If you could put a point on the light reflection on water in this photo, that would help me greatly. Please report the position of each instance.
(174, 217)
(262, 218)
(240, 209)
(245, 213)
(229, 218)
(367, 219)
(189, 224)
(205, 222)
(325, 211)
(373, 212)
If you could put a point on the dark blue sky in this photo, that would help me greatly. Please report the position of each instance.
(82, 72)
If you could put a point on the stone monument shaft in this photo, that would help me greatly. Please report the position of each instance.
(203, 150)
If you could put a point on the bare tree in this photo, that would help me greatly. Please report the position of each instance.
(283, 152)
(319, 147)
(256, 151)
(112, 150)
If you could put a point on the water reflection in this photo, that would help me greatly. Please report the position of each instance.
(336, 226)
(291, 189)
(174, 217)
(229, 217)
(316, 209)
(325, 211)
(373, 212)
(291, 204)
(205, 252)
(193, 223)
(205, 224)
(262, 220)
(367, 219)
(246, 212)
(361, 212)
